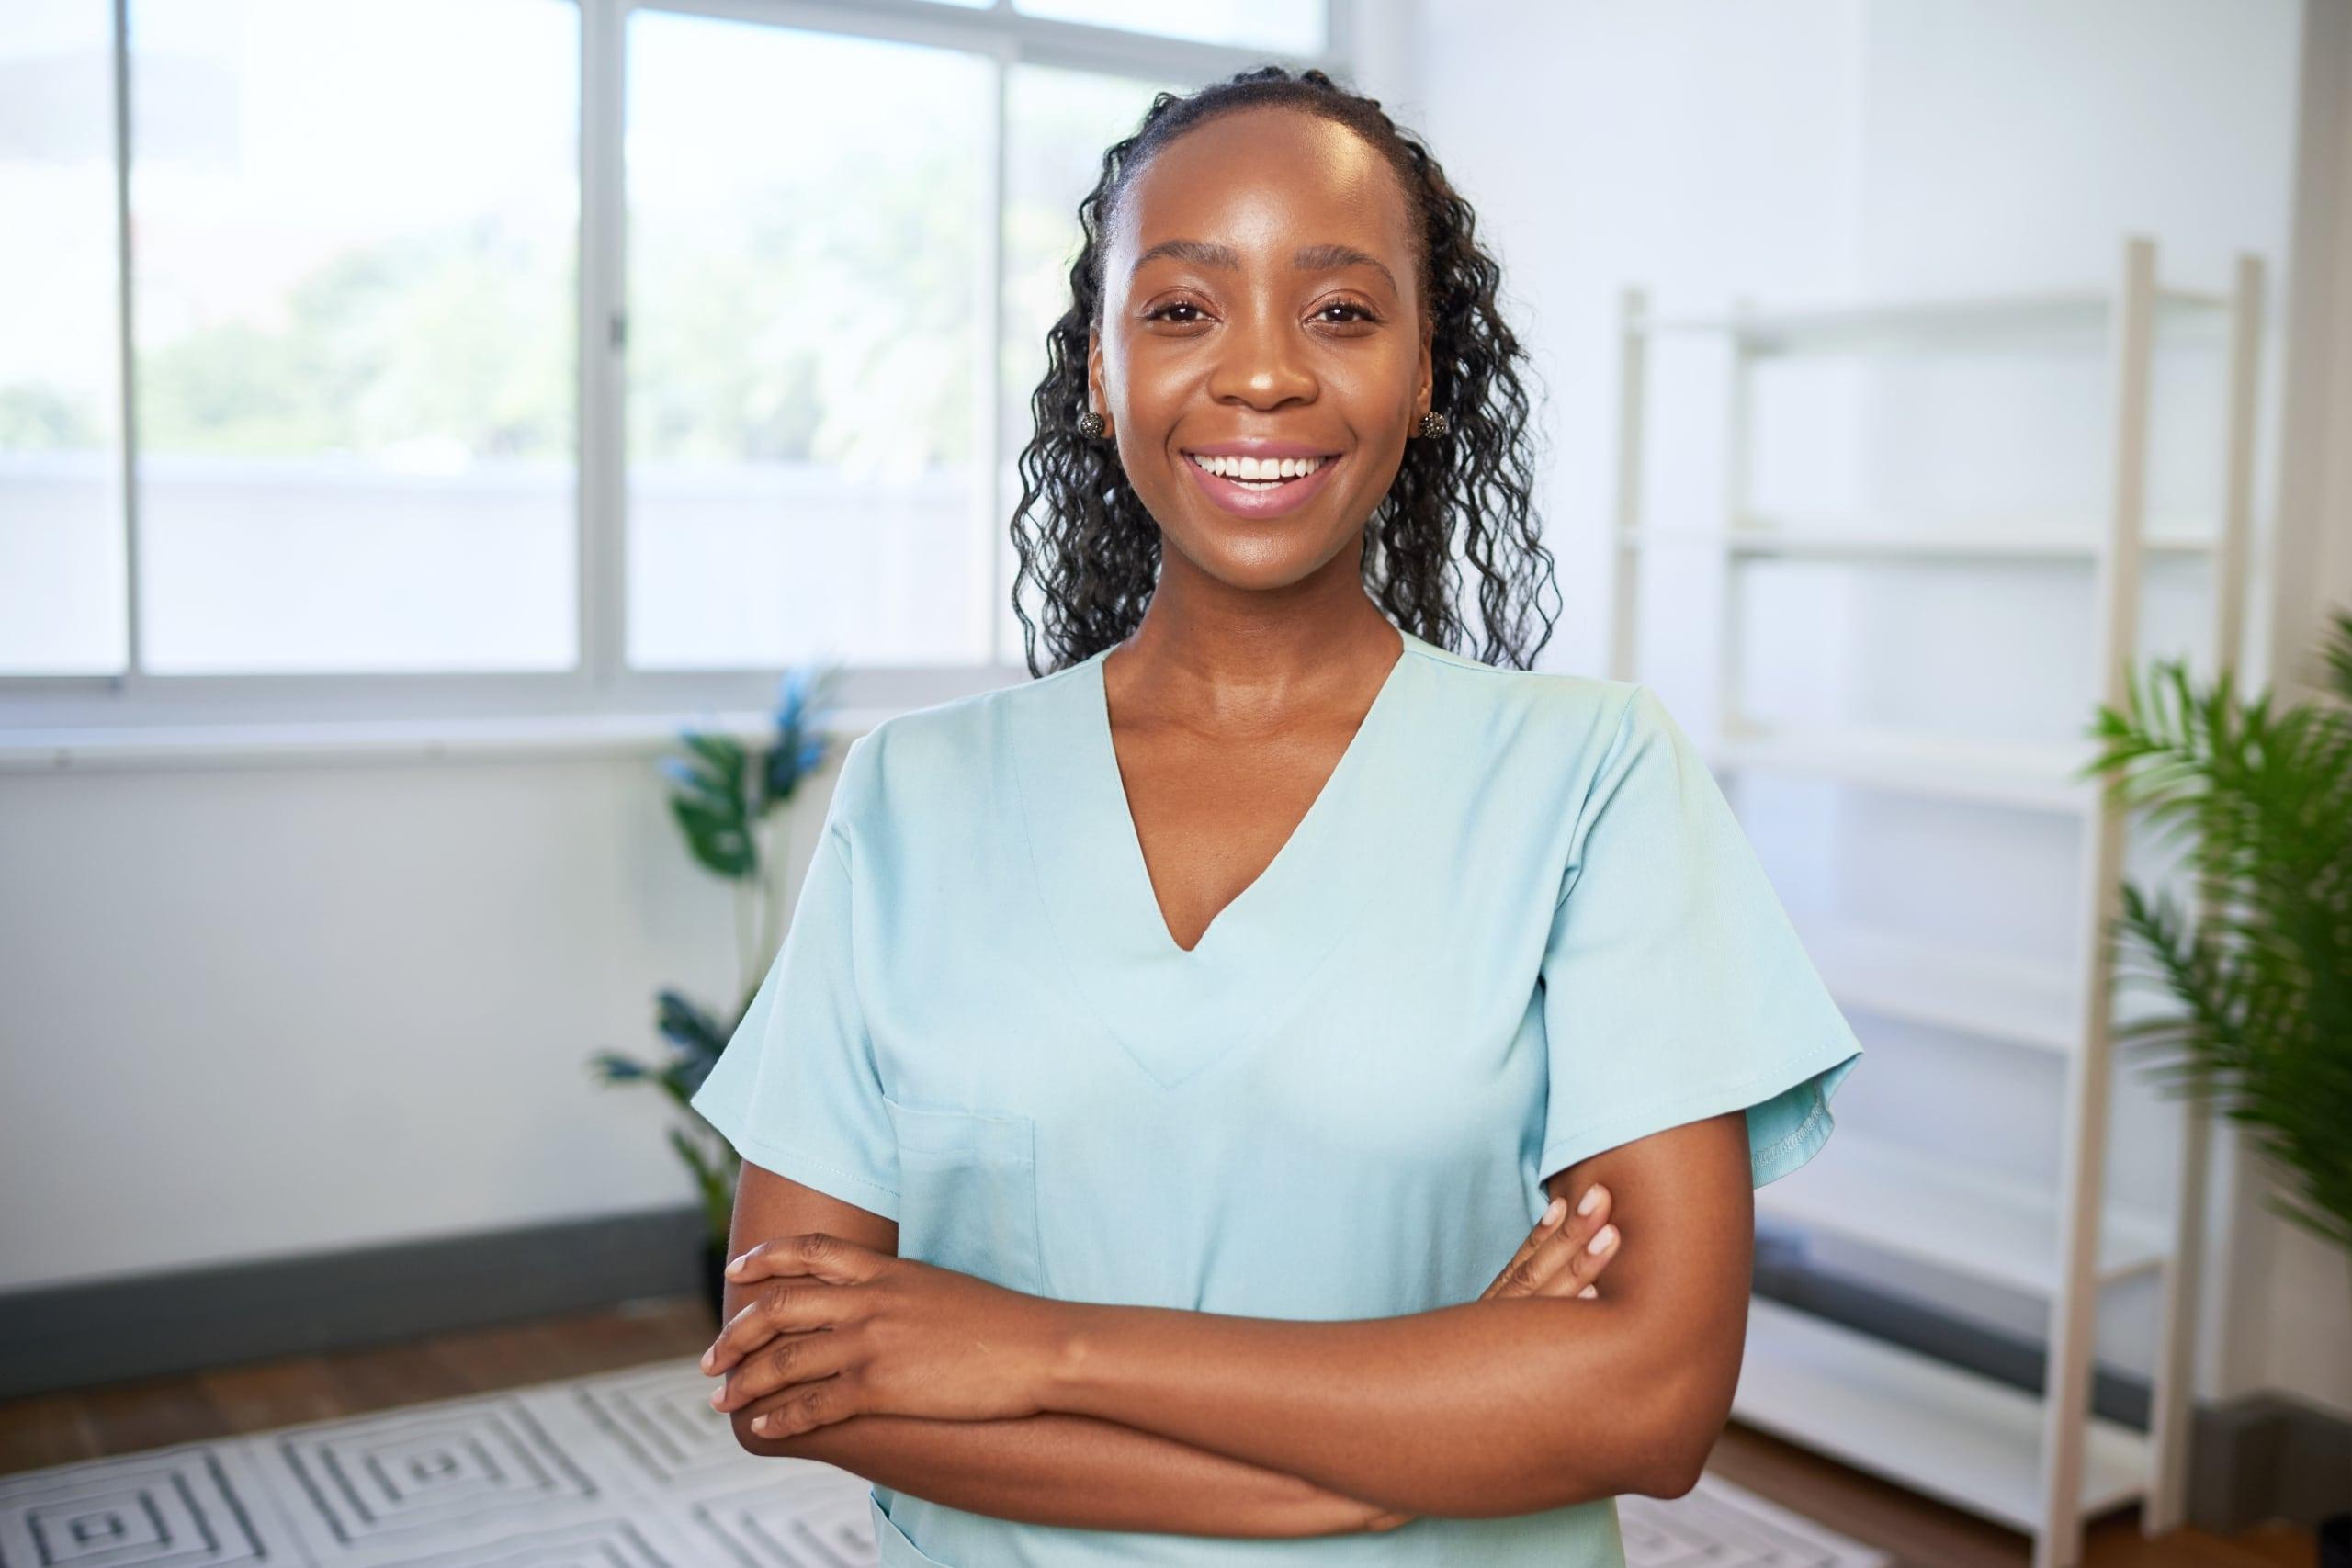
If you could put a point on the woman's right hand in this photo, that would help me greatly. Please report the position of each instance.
(1559, 1259)
(1556, 1259)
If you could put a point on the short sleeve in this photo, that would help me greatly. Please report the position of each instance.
(796, 1091)
(1675, 986)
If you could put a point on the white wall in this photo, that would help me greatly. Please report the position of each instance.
(257, 1011)
(2300, 1313)
(1705, 151)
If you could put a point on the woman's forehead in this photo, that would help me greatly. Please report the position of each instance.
(1264, 183)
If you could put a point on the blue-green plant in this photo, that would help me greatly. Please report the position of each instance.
(2263, 973)
(726, 799)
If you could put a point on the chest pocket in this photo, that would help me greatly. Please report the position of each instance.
(968, 1193)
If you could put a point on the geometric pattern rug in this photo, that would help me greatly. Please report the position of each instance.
(624, 1470)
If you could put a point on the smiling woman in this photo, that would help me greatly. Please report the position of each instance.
(1272, 267)
(1167, 1057)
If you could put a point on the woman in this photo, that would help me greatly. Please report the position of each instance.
(1166, 1054)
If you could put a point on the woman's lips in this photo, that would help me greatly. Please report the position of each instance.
(1243, 501)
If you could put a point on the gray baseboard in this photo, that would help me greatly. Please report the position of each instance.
(2256, 1458)
(2267, 1457)
(159, 1324)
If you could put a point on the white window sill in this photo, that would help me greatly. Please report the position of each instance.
(278, 743)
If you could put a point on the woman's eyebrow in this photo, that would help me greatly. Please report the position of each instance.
(1306, 258)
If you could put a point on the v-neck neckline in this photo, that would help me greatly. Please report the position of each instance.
(1137, 871)
(1176, 1010)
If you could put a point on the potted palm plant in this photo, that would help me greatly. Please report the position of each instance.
(2262, 972)
(724, 798)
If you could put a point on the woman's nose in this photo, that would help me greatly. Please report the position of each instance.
(1260, 362)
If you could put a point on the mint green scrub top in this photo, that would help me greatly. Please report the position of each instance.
(1519, 926)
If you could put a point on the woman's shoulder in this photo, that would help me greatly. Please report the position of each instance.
(1505, 703)
(951, 757)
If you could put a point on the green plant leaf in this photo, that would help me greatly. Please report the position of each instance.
(720, 841)
(2260, 796)
(613, 1067)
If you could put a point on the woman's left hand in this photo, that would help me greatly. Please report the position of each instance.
(849, 1331)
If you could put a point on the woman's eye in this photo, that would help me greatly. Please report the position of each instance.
(1357, 312)
(1166, 312)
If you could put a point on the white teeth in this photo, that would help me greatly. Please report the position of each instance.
(1264, 470)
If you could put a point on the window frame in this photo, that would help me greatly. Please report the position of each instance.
(139, 712)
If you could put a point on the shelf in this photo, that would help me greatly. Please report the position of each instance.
(2018, 1002)
(1955, 1436)
(1892, 325)
(2028, 775)
(1972, 1441)
(1972, 1222)
(2066, 538)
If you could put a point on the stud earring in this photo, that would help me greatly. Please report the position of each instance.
(1433, 423)
(1090, 424)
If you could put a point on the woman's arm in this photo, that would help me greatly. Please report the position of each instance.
(1490, 1407)
(1053, 1468)
(1048, 1469)
(1075, 1471)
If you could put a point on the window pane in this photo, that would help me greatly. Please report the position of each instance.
(1293, 26)
(355, 234)
(806, 235)
(1058, 124)
(61, 599)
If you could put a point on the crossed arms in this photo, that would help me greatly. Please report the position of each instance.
(1195, 1423)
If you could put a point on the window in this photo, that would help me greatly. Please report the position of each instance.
(806, 318)
(355, 309)
(815, 260)
(61, 605)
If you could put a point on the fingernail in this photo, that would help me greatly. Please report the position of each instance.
(735, 1269)
(1602, 1240)
(760, 1423)
(707, 1357)
(1591, 1292)
(1590, 1201)
(1552, 1215)
(718, 1397)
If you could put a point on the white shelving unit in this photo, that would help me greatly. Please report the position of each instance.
(2036, 1461)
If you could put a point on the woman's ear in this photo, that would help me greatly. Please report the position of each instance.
(1095, 400)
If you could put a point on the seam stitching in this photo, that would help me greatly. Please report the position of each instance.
(1739, 1086)
(761, 1146)
(1577, 829)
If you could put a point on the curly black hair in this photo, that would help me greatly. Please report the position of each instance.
(1084, 534)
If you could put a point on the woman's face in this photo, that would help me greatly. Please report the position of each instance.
(1257, 291)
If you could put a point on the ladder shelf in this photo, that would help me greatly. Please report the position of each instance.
(2038, 1460)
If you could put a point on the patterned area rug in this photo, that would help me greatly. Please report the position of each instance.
(625, 1469)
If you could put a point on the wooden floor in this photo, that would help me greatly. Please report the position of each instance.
(118, 1418)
